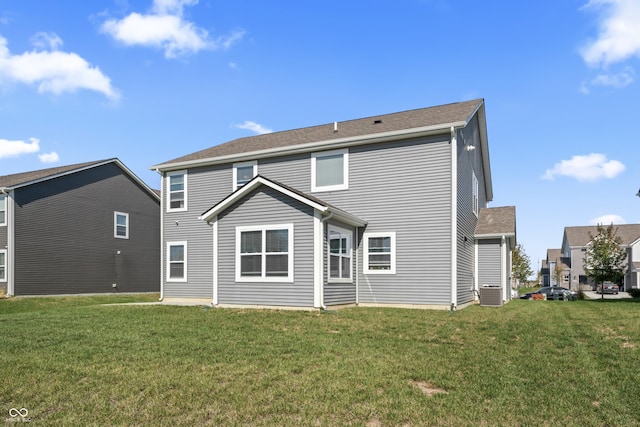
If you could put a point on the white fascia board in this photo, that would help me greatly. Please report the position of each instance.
(347, 218)
(250, 186)
(314, 146)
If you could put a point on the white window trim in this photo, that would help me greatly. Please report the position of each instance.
(345, 170)
(168, 268)
(263, 278)
(6, 263)
(168, 187)
(3, 222)
(349, 235)
(115, 225)
(240, 165)
(365, 255)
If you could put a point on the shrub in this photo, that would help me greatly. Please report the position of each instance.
(634, 292)
(538, 297)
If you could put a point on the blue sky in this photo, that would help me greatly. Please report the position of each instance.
(151, 80)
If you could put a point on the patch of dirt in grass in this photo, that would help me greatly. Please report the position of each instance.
(611, 333)
(374, 422)
(428, 389)
(595, 403)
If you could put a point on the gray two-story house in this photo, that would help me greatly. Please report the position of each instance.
(374, 211)
(85, 228)
(575, 242)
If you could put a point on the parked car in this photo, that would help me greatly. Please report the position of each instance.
(608, 288)
(554, 292)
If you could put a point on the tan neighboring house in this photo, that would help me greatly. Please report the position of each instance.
(574, 246)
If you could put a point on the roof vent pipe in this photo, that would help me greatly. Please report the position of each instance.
(335, 126)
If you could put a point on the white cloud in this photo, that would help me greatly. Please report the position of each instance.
(165, 28)
(614, 80)
(46, 41)
(619, 32)
(49, 157)
(17, 148)
(254, 127)
(608, 219)
(52, 71)
(590, 167)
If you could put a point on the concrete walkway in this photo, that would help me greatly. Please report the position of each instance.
(595, 295)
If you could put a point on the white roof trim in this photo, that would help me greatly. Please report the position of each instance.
(313, 146)
(260, 180)
(91, 166)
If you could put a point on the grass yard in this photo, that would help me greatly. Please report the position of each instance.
(72, 361)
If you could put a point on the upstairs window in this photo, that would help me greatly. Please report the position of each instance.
(177, 191)
(339, 255)
(474, 197)
(121, 225)
(264, 253)
(379, 253)
(3, 209)
(330, 170)
(243, 173)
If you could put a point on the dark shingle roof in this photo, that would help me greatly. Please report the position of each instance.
(497, 221)
(456, 113)
(17, 179)
(579, 236)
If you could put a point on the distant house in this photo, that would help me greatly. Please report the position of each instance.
(385, 210)
(556, 270)
(85, 228)
(575, 242)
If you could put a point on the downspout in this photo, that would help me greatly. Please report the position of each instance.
(454, 224)
(161, 233)
(357, 270)
(323, 221)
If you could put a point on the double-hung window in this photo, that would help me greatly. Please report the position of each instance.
(474, 189)
(379, 253)
(3, 209)
(121, 225)
(340, 259)
(3, 265)
(177, 191)
(177, 261)
(330, 170)
(264, 253)
(243, 173)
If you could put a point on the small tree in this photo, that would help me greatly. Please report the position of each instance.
(557, 274)
(605, 258)
(521, 264)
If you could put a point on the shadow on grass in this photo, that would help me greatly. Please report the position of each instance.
(614, 300)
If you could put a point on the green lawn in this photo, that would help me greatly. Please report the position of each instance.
(73, 361)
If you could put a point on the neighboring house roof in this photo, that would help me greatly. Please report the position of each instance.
(555, 255)
(13, 181)
(260, 180)
(386, 127)
(579, 236)
(497, 222)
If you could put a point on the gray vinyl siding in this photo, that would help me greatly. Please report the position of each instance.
(205, 188)
(266, 206)
(468, 162)
(64, 235)
(338, 293)
(402, 187)
(489, 262)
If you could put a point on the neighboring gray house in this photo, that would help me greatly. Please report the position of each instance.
(85, 228)
(374, 211)
(574, 246)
